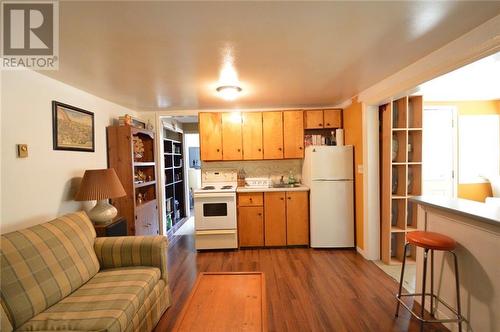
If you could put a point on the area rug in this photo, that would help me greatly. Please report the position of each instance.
(394, 271)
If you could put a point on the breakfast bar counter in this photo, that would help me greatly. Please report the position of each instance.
(476, 228)
(466, 208)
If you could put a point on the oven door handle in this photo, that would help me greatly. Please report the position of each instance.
(215, 195)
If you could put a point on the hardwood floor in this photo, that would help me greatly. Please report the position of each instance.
(307, 289)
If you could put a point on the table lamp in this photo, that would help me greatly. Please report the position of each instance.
(100, 185)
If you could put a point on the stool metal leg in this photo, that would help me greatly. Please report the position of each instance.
(422, 309)
(401, 278)
(432, 283)
(457, 284)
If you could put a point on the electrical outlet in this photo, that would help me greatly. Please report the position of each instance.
(360, 169)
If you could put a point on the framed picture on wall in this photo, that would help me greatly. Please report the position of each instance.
(72, 128)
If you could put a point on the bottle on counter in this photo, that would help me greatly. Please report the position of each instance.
(241, 177)
(291, 178)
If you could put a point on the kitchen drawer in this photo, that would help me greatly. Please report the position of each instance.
(250, 199)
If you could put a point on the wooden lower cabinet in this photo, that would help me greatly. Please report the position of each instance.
(250, 199)
(274, 219)
(251, 226)
(146, 219)
(297, 218)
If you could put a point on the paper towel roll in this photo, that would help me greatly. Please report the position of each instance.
(339, 137)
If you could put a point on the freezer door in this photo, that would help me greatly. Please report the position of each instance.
(331, 162)
(332, 214)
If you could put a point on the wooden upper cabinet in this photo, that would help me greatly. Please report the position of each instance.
(272, 128)
(210, 136)
(293, 134)
(252, 136)
(231, 137)
(275, 219)
(332, 118)
(297, 218)
(314, 119)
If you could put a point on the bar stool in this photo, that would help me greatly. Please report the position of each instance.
(430, 241)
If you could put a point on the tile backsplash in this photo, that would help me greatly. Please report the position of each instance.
(261, 168)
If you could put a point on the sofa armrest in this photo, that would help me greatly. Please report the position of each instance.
(123, 251)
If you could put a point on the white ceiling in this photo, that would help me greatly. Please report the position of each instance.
(153, 56)
(477, 81)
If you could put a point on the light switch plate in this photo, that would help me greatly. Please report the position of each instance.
(22, 150)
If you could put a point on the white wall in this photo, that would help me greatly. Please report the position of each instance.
(41, 187)
(371, 185)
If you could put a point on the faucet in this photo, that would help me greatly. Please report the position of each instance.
(281, 180)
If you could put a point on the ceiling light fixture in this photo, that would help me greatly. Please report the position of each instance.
(228, 87)
(229, 92)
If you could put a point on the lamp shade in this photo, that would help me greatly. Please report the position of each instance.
(98, 184)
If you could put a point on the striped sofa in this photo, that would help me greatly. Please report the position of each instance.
(59, 276)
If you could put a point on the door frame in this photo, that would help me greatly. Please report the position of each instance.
(454, 112)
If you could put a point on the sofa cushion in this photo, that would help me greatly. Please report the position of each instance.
(43, 264)
(108, 302)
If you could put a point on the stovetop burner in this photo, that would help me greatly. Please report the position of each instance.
(227, 187)
(208, 188)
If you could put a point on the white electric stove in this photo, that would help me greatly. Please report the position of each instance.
(215, 210)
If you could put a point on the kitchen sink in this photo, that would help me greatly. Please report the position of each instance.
(285, 185)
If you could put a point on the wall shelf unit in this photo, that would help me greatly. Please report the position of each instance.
(174, 175)
(401, 174)
(131, 154)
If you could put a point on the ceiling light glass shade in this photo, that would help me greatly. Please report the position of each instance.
(229, 92)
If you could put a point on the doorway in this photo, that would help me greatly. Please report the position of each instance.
(439, 152)
(194, 166)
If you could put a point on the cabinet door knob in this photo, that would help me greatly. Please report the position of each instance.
(239, 150)
(327, 124)
(289, 197)
(300, 148)
(259, 214)
(260, 150)
(281, 198)
(251, 199)
(218, 150)
(280, 149)
(320, 124)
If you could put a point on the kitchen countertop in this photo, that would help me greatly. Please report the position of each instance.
(471, 209)
(261, 189)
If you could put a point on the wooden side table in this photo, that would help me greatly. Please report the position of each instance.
(116, 227)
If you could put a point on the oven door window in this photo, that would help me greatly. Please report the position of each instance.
(215, 209)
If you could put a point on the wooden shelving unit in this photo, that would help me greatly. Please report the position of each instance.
(401, 174)
(174, 175)
(140, 205)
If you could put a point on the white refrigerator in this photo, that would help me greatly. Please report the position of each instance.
(328, 172)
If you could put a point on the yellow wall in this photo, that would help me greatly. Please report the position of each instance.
(473, 191)
(353, 124)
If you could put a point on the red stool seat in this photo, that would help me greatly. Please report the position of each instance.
(431, 240)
